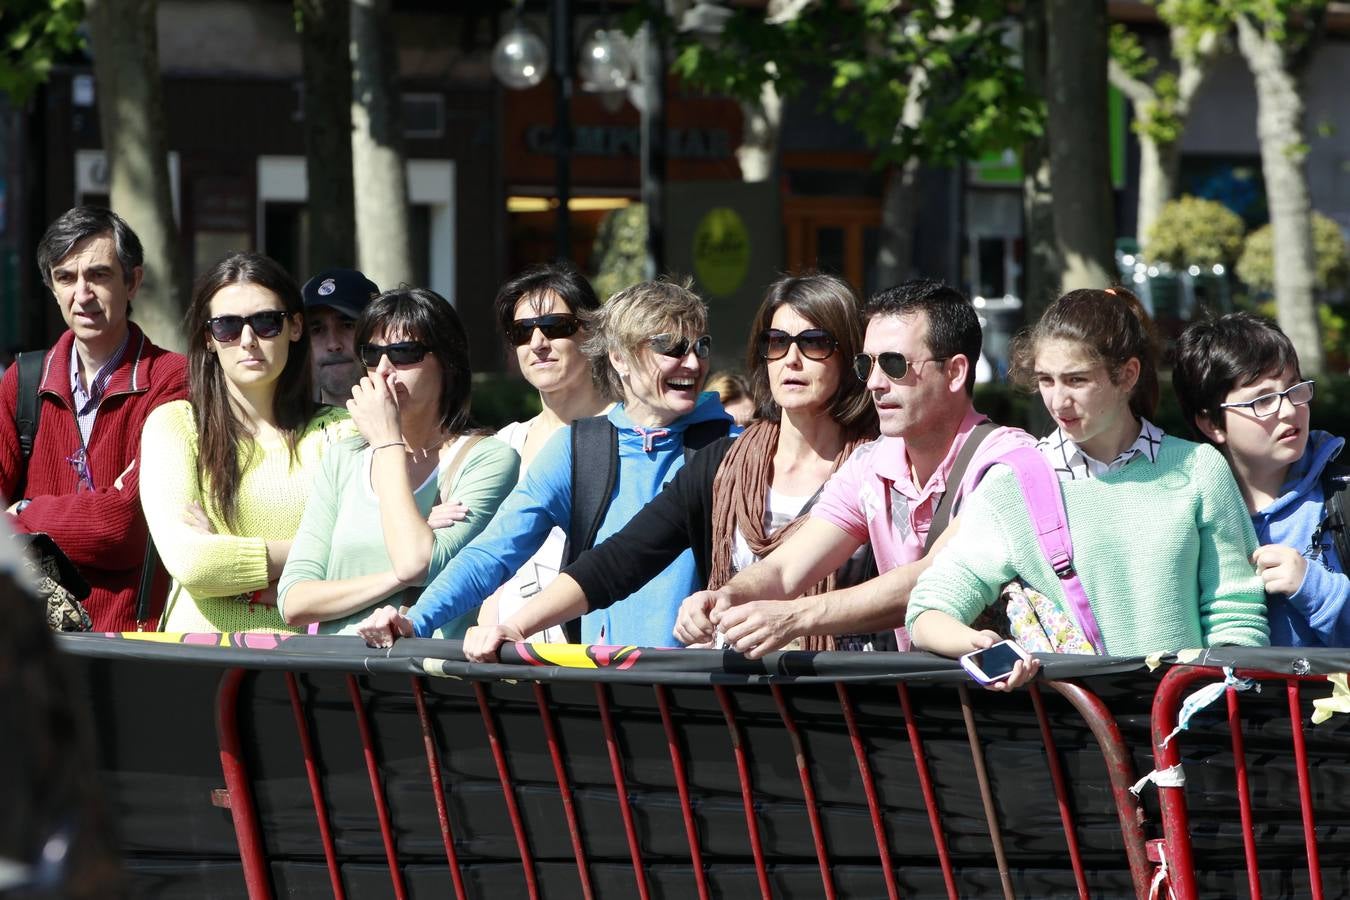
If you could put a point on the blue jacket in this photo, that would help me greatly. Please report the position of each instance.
(543, 499)
(1315, 615)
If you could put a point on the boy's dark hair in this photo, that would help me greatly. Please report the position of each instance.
(1214, 357)
(953, 326)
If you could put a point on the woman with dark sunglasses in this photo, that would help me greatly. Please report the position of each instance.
(375, 526)
(650, 344)
(542, 315)
(228, 469)
(739, 499)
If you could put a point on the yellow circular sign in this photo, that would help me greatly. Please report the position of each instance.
(721, 251)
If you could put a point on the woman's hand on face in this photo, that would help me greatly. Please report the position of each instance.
(443, 515)
(482, 642)
(374, 409)
(384, 626)
(195, 518)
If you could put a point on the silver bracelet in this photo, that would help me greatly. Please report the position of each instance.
(403, 444)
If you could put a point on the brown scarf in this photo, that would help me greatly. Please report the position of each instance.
(740, 490)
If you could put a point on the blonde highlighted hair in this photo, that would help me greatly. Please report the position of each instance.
(631, 316)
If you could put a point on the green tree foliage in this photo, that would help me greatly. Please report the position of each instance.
(1193, 231)
(34, 34)
(620, 250)
(868, 53)
(1256, 267)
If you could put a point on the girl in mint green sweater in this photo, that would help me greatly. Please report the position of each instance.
(1160, 532)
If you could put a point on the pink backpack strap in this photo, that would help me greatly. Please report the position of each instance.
(1045, 507)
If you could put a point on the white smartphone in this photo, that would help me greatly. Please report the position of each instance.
(994, 663)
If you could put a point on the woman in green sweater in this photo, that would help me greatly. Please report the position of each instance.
(374, 524)
(1161, 537)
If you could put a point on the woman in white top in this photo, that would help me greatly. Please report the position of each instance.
(542, 314)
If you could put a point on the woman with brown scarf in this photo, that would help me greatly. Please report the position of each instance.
(736, 500)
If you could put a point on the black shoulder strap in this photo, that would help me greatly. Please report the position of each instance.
(595, 468)
(942, 515)
(1335, 478)
(27, 411)
(701, 434)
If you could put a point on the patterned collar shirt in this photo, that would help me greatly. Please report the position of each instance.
(87, 401)
(1072, 464)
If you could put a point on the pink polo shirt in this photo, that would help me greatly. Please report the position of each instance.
(873, 498)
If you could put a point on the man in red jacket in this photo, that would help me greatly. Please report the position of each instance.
(81, 482)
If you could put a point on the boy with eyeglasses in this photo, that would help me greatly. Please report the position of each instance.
(1240, 388)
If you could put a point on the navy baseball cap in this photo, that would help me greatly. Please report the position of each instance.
(345, 290)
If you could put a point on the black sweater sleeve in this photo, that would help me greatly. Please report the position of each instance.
(680, 516)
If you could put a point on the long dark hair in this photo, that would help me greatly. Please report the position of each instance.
(220, 433)
(1112, 326)
(826, 302)
(426, 316)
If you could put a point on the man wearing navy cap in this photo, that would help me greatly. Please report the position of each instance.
(333, 301)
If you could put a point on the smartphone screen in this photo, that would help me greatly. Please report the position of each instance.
(996, 662)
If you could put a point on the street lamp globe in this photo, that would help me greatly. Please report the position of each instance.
(606, 62)
(520, 59)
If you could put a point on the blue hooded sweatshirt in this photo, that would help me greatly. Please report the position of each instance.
(543, 499)
(1315, 615)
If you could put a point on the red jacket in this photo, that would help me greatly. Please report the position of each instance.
(102, 531)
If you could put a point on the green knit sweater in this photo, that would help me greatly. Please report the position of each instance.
(1162, 549)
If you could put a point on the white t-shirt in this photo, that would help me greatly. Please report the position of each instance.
(539, 569)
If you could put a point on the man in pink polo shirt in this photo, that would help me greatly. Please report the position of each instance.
(923, 340)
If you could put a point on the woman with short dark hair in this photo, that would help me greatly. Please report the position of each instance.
(416, 448)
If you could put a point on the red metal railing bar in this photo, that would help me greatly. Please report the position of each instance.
(682, 788)
(1172, 800)
(1121, 774)
(869, 791)
(242, 809)
(564, 788)
(1244, 793)
(1059, 782)
(747, 791)
(986, 792)
(508, 791)
(377, 788)
(315, 788)
(929, 794)
(621, 790)
(808, 791)
(438, 788)
(1304, 788)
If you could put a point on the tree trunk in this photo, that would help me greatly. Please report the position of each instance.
(1043, 267)
(1279, 126)
(1159, 171)
(325, 35)
(899, 213)
(758, 152)
(1080, 169)
(131, 117)
(380, 181)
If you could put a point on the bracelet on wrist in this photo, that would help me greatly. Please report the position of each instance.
(403, 444)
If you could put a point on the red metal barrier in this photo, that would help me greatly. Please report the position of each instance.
(859, 726)
(1178, 853)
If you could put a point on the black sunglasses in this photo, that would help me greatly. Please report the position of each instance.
(265, 324)
(815, 343)
(894, 365)
(553, 326)
(679, 347)
(404, 353)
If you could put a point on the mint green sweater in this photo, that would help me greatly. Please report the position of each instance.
(1162, 549)
(340, 535)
